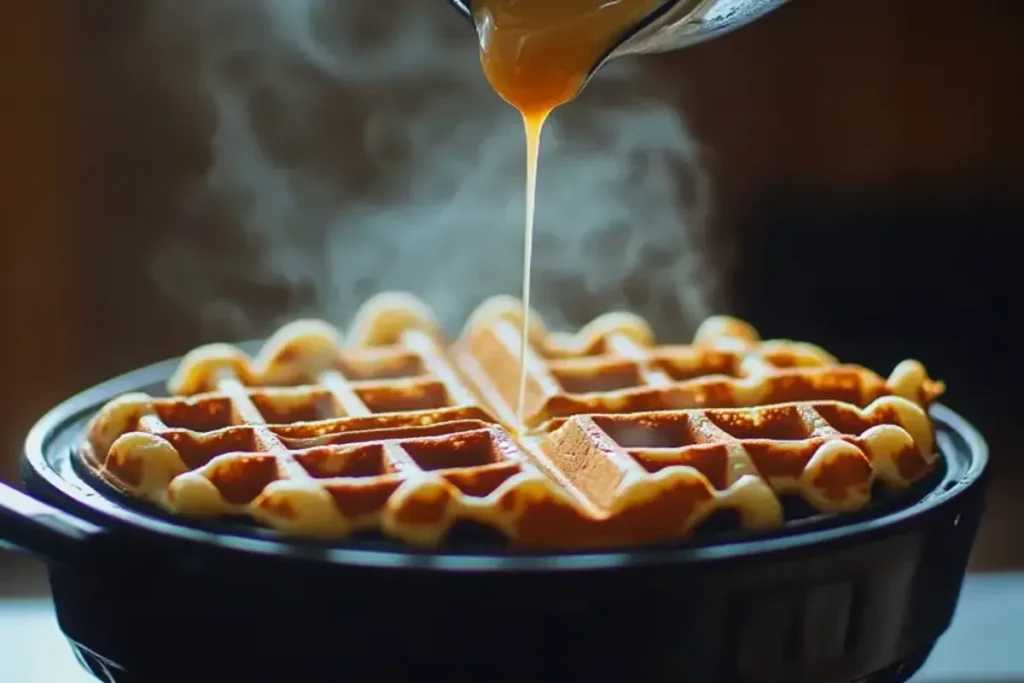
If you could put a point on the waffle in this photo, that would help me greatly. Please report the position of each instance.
(388, 428)
(613, 365)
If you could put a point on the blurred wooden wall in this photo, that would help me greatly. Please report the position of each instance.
(44, 214)
(857, 96)
(848, 96)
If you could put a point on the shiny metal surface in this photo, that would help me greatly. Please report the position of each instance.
(677, 24)
(688, 22)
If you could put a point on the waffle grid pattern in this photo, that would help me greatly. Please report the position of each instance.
(614, 366)
(828, 453)
(323, 435)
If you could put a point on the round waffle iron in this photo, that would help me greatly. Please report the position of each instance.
(142, 596)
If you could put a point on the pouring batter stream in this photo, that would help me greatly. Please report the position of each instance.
(538, 55)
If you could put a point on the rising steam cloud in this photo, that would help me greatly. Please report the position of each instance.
(356, 147)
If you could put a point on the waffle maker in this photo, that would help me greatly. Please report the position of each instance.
(145, 597)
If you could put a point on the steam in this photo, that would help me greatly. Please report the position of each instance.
(356, 147)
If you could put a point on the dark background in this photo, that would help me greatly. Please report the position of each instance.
(866, 156)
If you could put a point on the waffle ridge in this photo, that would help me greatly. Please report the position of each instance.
(613, 365)
(829, 453)
(390, 428)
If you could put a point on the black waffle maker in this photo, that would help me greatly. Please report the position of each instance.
(144, 597)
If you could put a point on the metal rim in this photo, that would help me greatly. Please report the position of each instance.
(38, 444)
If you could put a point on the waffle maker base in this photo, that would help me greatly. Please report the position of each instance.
(146, 597)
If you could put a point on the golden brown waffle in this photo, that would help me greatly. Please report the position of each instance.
(322, 435)
(613, 365)
(672, 469)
